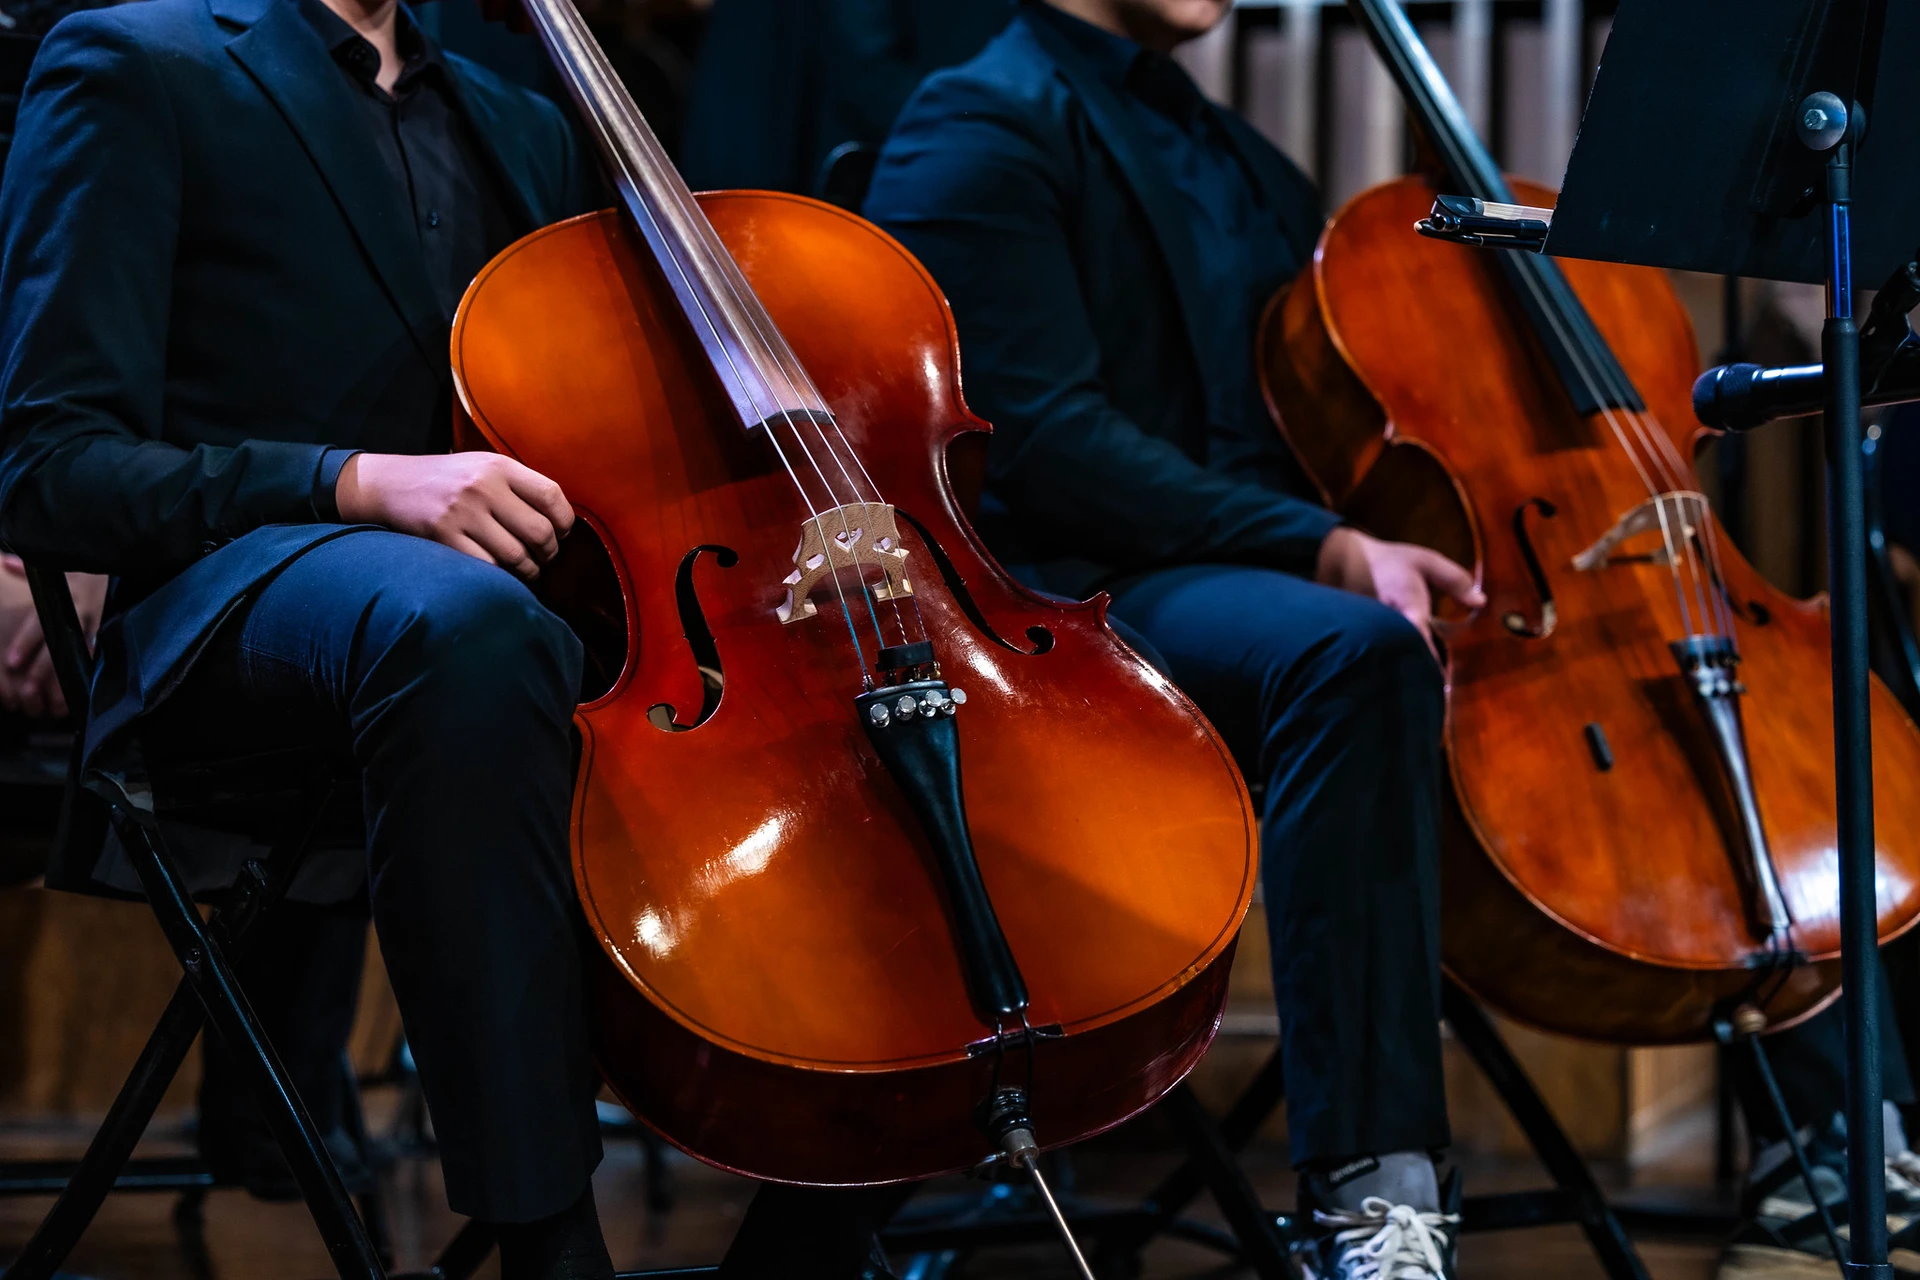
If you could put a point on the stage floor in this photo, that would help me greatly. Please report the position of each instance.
(135, 1238)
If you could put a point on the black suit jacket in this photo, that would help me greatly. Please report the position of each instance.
(208, 282)
(1022, 182)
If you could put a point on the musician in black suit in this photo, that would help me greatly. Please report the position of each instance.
(232, 237)
(1107, 239)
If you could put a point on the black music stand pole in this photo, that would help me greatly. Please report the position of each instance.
(1734, 140)
(1852, 722)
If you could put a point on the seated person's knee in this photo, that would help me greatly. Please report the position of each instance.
(1384, 646)
(477, 629)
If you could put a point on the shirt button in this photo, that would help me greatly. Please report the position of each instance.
(433, 217)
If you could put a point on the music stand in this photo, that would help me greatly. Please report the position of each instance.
(1724, 139)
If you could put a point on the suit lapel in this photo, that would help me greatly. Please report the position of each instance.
(1280, 186)
(290, 64)
(1161, 203)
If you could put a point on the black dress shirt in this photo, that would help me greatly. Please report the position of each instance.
(457, 210)
(1243, 248)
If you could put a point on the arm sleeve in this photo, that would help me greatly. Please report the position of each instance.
(89, 218)
(971, 191)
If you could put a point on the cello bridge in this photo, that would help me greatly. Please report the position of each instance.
(857, 536)
(1676, 515)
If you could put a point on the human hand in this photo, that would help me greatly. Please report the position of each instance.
(483, 504)
(1400, 575)
(28, 685)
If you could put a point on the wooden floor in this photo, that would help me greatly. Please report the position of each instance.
(135, 1238)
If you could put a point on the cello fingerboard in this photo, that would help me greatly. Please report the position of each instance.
(748, 353)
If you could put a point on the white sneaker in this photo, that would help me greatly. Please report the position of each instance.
(1383, 1242)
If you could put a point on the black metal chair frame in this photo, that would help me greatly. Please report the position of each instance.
(1265, 1240)
(209, 994)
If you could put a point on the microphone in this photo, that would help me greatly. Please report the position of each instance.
(1740, 397)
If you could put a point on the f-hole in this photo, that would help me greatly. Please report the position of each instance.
(1515, 621)
(1752, 611)
(581, 586)
(706, 654)
(957, 587)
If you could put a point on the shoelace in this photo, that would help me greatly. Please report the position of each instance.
(1389, 1241)
(1903, 1175)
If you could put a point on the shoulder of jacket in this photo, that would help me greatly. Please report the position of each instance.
(145, 24)
(156, 34)
(1014, 80)
(503, 94)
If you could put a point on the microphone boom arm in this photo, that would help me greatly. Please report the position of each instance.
(1740, 397)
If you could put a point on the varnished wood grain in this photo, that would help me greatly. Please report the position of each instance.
(786, 998)
(1595, 903)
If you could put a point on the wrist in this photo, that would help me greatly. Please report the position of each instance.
(1337, 550)
(351, 499)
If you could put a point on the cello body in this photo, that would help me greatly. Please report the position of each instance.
(779, 991)
(1592, 880)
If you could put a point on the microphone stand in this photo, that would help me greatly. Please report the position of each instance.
(1889, 355)
(1826, 124)
(1694, 193)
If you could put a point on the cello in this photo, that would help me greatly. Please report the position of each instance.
(892, 864)
(1640, 736)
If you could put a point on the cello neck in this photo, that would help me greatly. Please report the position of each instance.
(1580, 357)
(1469, 167)
(748, 354)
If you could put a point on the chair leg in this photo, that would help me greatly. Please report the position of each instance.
(190, 1228)
(1176, 1191)
(113, 1144)
(1765, 1068)
(213, 981)
(373, 1205)
(1569, 1171)
(659, 1179)
(1261, 1244)
(1250, 1110)
(159, 1062)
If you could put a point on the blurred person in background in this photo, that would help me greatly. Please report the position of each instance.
(782, 84)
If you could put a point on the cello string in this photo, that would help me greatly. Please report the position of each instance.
(1658, 451)
(1710, 538)
(773, 344)
(1533, 272)
(788, 362)
(1666, 459)
(1537, 288)
(624, 104)
(1468, 159)
(549, 20)
(1703, 534)
(792, 363)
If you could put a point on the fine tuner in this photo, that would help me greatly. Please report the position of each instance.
(901, 702)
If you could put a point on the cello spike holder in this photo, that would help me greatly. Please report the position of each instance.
(1266, 1242)
(1006, 1121)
